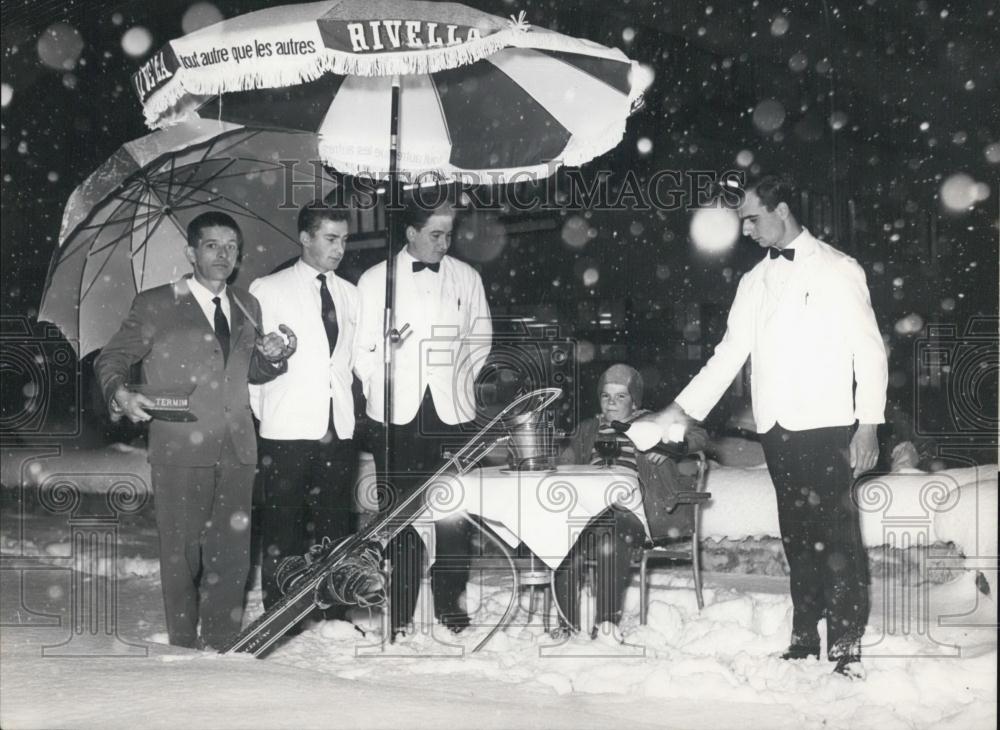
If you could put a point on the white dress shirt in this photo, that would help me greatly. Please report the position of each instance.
(299, 403)
(809, 330)
(204, 297)
(446, 346)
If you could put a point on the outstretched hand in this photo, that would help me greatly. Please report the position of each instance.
(649, 430)
(276, 347)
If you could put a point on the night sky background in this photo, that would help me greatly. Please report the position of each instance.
(888, 111)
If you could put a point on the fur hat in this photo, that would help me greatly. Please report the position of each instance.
(623, 375)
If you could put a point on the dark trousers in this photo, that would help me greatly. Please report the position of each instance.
(203, 519)
(610, 540)
(416, 454)
(307, 496)
(821, 533)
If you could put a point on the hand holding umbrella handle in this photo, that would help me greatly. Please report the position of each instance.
(276, 347)
(396, 336)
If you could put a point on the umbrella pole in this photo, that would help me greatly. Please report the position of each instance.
(389, 327)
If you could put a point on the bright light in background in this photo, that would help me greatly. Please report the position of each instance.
(60, 46)
(744, 158)
(591, 276)
(714, 230)
(911, 324)
(959, 192)
(798, 62)
(6, 94)
(769, 115)
(992, 152)
(837, 120)
(137, 41)
(779, 26)
(199, 16)
(576, 232)
(644, 145)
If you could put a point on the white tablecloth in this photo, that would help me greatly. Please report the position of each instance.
(544, 510)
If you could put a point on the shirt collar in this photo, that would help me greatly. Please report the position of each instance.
(203, 293)
(406, 259)
(803, 244)
(308, 272)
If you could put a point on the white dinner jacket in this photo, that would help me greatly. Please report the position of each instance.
(296, 405)
(808, 343)
(449, 339)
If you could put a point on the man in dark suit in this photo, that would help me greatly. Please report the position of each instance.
(199, 335)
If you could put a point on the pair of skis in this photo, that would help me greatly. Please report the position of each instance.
(308, 585)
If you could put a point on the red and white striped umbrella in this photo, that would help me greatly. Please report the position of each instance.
(489, 99)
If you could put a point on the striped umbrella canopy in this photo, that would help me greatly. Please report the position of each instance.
(482, 98)
(124, 228)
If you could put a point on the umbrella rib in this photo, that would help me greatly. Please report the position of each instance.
(241, 210)
(138, 202)
(103, 266)
(144, 247)
(71, 252)
(207, 181)
(145, 219)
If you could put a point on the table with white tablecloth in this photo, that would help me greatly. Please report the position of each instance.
(544, 510)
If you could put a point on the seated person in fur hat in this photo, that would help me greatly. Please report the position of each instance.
(613, 537)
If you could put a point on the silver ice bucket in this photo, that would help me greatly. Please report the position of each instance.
(531, 442)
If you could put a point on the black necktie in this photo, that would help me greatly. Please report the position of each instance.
(221, 328)
(420, 266)
(329, 313)
(788, 253)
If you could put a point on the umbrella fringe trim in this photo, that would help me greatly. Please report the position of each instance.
(162, 109)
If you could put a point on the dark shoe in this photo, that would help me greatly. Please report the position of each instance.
(456, 623)
(850, 666)
(562, 632)
(608, 633)
(796, 651)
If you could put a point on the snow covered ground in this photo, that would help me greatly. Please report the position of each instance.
(685, 669)
(82, 640)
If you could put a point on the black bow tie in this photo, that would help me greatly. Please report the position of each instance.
(788, 253)
(420, 266)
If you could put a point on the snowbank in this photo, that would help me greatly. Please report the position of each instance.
(957, 505)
